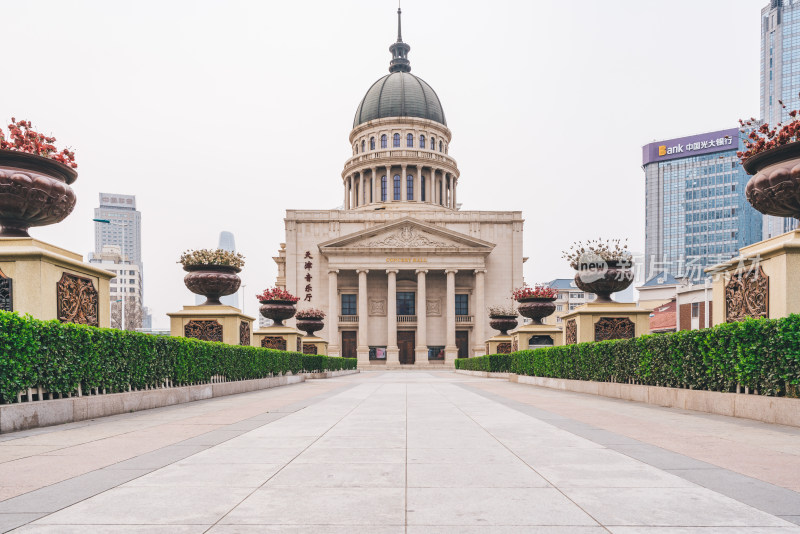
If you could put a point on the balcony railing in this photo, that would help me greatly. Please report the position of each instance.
(406, 319)
(348, 318)
(464, 319)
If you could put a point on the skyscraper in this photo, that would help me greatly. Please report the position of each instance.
(696, 211)
(780, 78)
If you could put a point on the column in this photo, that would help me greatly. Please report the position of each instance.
(361, 195)
(418, 185)
(333, 313)
(434, 189)
(389, 184)
(352, 195)
(421, 350)
(392, 351)
(374, 192)
(479, 312)
(363, 323)
(455, 202)
(403, 188)
(450, 349)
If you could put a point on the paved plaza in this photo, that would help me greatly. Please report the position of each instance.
(403, 451)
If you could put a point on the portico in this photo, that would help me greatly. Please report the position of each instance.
(410, 293)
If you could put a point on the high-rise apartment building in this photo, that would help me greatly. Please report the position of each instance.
(696, 211)
(780, 78)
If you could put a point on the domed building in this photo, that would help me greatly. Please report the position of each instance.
(402, 272)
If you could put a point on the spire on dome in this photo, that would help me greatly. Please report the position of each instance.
(399, 50)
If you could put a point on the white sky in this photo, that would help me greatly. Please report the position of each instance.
(221, 115)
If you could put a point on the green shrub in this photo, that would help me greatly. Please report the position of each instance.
(760, 354)
(63, 357)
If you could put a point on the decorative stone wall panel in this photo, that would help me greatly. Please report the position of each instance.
(377, 307)
(433, 307)
(6, 293)
(504, 348)
(209, 330)
(244, 333)
(76, 300)
(309, 348)
(273, 342)
(571, 332)
(747, 295)
(614, 328)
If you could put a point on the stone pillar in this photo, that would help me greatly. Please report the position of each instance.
(392, 350)
(363, 322)
(389, 184)
(334, 349)
(361, 189)
(450, 349)
(403, 188)
(374, 192)
(418, 185)
(455, 202)
(421, 350)
(479, 312)
(434, 191)
(344, 204)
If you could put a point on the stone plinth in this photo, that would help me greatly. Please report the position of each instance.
(526, 335)
(499, 344)
(49, 282)
(763, 281)
(314, 345)
(213, 323)
(601, 321)
(279, 337)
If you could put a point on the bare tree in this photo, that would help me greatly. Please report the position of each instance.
(134, 314)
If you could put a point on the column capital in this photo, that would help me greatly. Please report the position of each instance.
(448, 271)
(421, 271)
(480, 271)
(359, 271)
(333, 271)
(395, 271)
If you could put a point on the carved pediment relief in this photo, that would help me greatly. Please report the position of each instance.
(407, 236)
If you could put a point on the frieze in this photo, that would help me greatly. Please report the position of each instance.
(747, 295)
(76, 300)
(209, 330)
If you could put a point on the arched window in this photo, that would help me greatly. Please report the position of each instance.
(422, 189)
(383, 141)
(410, 140)
(372, 143)
(355, 148)
(396, 141)
(363, 146)
(433, 143)
(440, 146)
(396, 187)
(422, 141)
(383, 188)
(409, 187)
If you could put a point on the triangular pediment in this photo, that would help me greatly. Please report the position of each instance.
(406, 234)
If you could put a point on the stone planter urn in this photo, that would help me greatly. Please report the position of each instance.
(309, 325)
(775, 188)
(34, 191)
(606, 278)
(503, 323)
(212, 281)
(277, 310)
(536, 308)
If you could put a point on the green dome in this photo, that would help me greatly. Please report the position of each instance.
(400, 94)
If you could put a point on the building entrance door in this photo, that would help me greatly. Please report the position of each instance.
(462, 342)
(405, 342)
(349, 344)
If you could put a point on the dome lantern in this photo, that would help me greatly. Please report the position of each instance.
(399, 50)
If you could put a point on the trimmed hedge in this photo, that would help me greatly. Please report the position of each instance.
(760, 354)
(60, 357)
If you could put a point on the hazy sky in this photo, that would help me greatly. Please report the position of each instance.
(219, 115)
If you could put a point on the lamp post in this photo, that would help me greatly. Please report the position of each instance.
(122, 279)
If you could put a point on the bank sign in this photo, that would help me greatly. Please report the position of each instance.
(695, 145)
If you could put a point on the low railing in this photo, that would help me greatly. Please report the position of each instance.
(348, 318)
(406, 319)
(464, 319)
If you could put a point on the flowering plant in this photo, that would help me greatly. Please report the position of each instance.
(764, 138)
(535, 292)
(597, 251)
(204, 256)
(310, 313)
(25, 139)
(502, 311)
(276, 293)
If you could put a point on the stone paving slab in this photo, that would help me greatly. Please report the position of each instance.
(401, 451)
